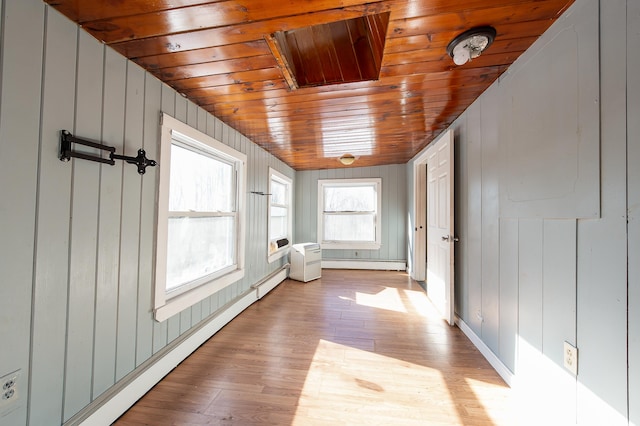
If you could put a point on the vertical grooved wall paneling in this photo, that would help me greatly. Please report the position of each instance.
(508, 336)
(84, 239)
(146, 327)
(394, 210)
(20, 96)
(80, 315)
(489, 112)
(52, 228)
(532, 274)
(633, 205)
(130, 224)
(530, 257)
(559, 315)
(108, 260)
(461, 216)
(473, 262)
(602, 244)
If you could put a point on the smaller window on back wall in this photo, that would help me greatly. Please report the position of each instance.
(349, 213)
(280, 216)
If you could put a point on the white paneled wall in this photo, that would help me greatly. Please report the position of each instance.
(633, 205)
(602, 244)
(540, 263)
(78, 237)
(19, 149)
(394, 211)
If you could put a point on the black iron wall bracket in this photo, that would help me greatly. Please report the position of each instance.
(66, 153)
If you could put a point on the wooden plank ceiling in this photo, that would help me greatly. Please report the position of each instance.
(229, 57)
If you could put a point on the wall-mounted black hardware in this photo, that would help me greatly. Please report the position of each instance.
(140, 160)
(66, 153)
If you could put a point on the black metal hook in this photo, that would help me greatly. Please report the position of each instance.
(66, 153)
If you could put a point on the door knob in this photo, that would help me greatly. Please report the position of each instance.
(445, 238)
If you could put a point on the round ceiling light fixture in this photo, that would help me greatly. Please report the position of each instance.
(470, 44)
(347, 159)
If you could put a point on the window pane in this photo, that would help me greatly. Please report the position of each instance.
(198, 247)
(199, 182)
(349, 199)
(346, 227)
(278, 193)
(278, 223)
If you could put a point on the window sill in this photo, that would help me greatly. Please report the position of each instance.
(281, 252)
(350, 246)
(185, 300)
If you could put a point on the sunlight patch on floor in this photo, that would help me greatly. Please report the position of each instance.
(402, 392)
(420, 304)
(388, 299)
(488, 395)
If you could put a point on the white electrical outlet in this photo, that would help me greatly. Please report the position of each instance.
(571, 357)
(9, 394)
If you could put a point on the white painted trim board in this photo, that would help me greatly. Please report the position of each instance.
(495, 362)
(376, 265)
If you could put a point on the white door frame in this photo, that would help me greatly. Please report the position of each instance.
(419, 257)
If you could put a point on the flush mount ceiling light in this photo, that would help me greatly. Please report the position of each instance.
(347, 159)
(470, 44)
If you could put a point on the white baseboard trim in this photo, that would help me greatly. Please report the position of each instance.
(270, 283)
(123, 399)
(376, 265)
(495, 362)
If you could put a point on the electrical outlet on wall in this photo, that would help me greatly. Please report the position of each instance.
(9, 395)
(571, 357)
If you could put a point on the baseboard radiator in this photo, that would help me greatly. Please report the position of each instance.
(116, 401)
(270, 282)
(376, 265)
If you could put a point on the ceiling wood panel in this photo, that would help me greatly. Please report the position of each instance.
(199, 56)
(220, 54)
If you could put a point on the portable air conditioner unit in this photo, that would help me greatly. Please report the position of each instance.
(306, 262)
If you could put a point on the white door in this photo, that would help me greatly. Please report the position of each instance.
(440, 233)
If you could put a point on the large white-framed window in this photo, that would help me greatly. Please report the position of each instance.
(349, 213)
(280, 215)
(200, 217)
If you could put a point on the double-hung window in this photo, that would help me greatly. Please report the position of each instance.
(349, 213)
(200, 238)
(280, 217)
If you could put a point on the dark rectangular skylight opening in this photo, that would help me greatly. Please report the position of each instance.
(338, 52)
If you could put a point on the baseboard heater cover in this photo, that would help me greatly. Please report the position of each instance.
(271, 282)
(116, 401)
(376, 265)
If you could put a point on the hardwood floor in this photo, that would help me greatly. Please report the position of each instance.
(352, 348)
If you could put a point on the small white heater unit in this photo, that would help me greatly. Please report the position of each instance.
(306, 262)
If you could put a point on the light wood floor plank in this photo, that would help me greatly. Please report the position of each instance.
(352, 348)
